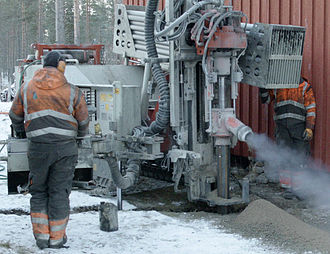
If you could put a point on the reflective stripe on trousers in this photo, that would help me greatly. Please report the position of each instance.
(57, 231)
(40, 225)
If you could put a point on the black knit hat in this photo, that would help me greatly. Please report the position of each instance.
(52, 59)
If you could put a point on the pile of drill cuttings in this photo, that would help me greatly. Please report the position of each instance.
(262, 219)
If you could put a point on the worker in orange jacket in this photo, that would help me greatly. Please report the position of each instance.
(295, 114)
(51, 113)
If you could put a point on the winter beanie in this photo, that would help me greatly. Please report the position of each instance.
(52, 59)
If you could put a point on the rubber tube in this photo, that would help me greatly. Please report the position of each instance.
(163, 115)
(131, 176)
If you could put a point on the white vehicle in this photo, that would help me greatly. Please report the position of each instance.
(4, 93)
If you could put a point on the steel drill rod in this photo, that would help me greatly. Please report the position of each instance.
(119, 197)
(222, 93)
(223, 171)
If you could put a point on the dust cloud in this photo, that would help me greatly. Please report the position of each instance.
(310, 178)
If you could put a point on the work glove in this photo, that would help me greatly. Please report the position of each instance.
(262, 90)
(21, 135)
(308, 134)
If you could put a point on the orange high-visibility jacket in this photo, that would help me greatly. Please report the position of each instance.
(51, 109)
(295, 103)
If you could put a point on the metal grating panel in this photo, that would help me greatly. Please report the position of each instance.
(273, 58)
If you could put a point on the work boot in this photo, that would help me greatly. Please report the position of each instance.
(61, 244)
(42, 244)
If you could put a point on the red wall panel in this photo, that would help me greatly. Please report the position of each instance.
(314, 15)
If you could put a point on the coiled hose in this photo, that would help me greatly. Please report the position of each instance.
(163, 115)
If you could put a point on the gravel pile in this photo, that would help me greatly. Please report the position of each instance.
(262, 219)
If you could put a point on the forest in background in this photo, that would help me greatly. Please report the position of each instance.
(24, 22)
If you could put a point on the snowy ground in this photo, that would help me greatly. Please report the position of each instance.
(139, 231)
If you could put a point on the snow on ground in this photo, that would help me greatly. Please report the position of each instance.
(22, 202)
(4, 132)
(4, 120)
(140, 232)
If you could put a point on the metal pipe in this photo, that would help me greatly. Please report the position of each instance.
(222, 102)
(137, 28)
(210, 116)
(245, 190)
(140, 43)
(137, 23)
(145, 52)
(119, 197)
(143, 47)
(234, 92)
(136, 13)
(223, 171)
(248, 26)
(237, 128)
(144, 91)
(136, 18)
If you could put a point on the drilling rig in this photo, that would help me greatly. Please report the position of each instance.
(174, 100)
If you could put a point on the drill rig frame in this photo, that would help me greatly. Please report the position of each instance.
(198, 46)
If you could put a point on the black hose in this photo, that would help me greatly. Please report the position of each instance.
(163, 115)
(25, 68)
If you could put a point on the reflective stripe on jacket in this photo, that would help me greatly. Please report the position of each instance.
(52, 109)
(296, 103)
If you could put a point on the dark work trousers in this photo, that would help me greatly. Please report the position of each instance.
(290, 134)
(51, 174)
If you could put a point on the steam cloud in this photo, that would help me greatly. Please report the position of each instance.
(311, 179)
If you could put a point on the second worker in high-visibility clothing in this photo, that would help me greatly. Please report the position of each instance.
(52, 113)
(295, 114)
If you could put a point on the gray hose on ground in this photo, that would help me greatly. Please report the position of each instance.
(163, 115)
(131, 176)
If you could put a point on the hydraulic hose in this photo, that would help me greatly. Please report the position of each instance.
(131, 176)
(25, 68)
(185, 15)
(163, 115)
